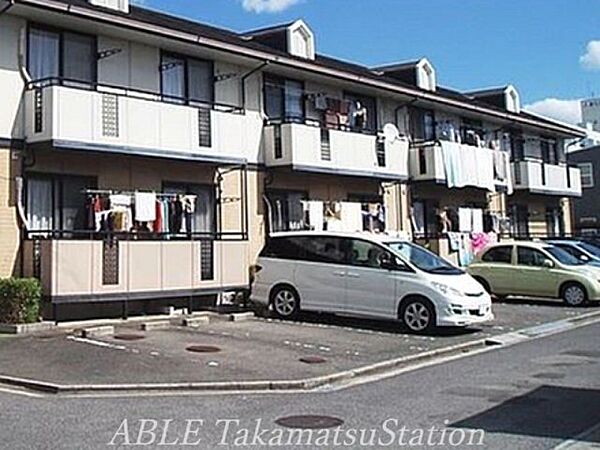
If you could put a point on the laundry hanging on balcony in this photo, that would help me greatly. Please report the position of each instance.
(469, 166)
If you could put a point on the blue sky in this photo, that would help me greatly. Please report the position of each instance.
(547, 48)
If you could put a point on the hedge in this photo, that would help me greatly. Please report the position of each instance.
(20, 300)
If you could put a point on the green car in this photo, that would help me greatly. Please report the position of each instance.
(536, 269)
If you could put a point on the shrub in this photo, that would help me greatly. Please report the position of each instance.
(20, 300)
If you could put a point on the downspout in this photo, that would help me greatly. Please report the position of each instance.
(11, 3)
(246, 76)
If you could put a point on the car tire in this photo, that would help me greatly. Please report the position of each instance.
(285, 302)
(418, 315)
(574, 294)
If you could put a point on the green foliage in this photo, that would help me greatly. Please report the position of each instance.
(20, 300)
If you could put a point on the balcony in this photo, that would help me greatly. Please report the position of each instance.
(102, 118)
(551, 179)
(308, 147)
(470, 166)
(80, 270)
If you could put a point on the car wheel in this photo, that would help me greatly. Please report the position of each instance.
(574, 294)
(418, 316)
(285, 302)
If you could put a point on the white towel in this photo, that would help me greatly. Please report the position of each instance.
(352, 217)
(145, 206)
(477, 220)
(465, 220)
(315, 215)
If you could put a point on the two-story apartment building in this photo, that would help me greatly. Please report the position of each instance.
(146, 157)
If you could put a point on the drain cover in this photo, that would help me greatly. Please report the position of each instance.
(309, 422)
(203, 349)
(313, 360)
(128, 337)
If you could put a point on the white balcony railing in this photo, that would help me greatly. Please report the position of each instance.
(542, 178)
(101, 118)
(312, 148)
(468, 166)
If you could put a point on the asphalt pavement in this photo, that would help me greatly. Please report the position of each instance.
(535, 395)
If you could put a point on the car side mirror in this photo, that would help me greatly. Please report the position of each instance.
(386, 262)
(548, 264)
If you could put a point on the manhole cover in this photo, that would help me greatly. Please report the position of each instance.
(203, 349)
(313, 360)
(309, 422)
(129, 337)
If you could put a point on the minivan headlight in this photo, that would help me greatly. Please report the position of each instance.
(446, 290)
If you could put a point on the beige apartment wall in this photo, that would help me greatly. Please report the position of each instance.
(122, 172)
(9, 226)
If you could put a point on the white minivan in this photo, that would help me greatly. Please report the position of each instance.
(366, 275)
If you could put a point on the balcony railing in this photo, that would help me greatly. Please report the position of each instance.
(100, 117)
(542, 178)
(473, 166)
(306, 145)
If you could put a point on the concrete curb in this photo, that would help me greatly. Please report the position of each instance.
(311, 384)
(26, 328)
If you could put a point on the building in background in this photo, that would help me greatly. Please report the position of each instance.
(586, 209)
(144, 158)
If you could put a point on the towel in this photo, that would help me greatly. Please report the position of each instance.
(145, 206)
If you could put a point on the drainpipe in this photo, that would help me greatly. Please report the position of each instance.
(11, 3)
(246, 76)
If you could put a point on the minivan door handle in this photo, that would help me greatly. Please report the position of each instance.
(339, 273)
(353, 275)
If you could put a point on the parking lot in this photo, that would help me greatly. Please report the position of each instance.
(259, 349)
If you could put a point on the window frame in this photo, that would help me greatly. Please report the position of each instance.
(508, 246)
(61, 50)
(186, 100)
(588, 165)
(280, 80)
(533, 250)
(57, 200)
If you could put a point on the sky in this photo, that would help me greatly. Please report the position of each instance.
(548, 49)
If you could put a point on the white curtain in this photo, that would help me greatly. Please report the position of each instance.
(39, 204)
(43, 54)
(173, 78)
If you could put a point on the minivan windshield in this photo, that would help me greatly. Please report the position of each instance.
(564, 257)
(424, 259)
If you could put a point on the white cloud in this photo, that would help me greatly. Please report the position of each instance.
(591, 59)
(564, 110)
(269, 6)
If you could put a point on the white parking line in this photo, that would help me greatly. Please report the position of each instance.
(582, 440)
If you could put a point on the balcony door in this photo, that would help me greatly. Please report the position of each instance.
(186, 80)
(56, 54)
(284, 99)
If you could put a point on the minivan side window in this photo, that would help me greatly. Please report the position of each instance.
(530, 257)
(501, 255)
(325, 249)
(284, 248)
(366, 254)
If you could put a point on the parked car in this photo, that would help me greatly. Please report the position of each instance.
(366, 275)
(536, 269)
(588, 253)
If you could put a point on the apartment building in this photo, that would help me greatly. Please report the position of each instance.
(147, 157)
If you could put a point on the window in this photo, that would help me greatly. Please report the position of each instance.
(284, 248)
(186, 80)
(555, 225)
(325, 249)
(472, 132)
(424, 218)
(58, 54)
(367, 254)
(519, 217)
(284, 99)
(286, 211)
(424, 259)
(501, 255)
(587, 174)
(57, 202)
(358, 101)
(517, 145)
(422, 124)
(203, 219)
(530, 257)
